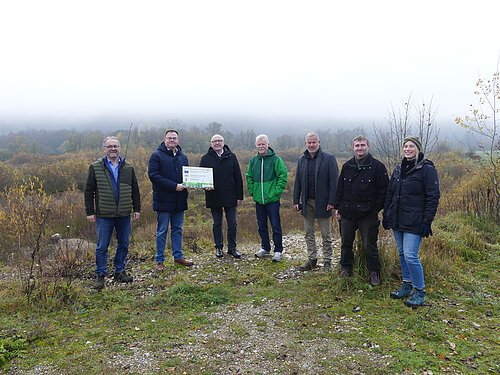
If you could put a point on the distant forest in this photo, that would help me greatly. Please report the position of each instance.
(193, 139)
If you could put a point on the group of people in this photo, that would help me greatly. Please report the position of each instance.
(409, 200)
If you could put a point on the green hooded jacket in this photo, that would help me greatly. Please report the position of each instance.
(266, 177)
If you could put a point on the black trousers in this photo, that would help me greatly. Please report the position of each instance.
(368, 228)
(231, 227)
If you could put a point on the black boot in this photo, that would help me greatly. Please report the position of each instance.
(234, 253)
(218, 253)
(99, 282)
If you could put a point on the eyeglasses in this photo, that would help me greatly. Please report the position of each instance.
(217, 141)
(111, 146)
(170, 138)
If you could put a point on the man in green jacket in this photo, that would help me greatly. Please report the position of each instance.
(267, 177)
(111, 194)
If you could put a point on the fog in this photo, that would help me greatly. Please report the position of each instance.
(279, 63)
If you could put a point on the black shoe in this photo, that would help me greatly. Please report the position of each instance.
(219, 253)
(99, 282)
(234, 253)
(122, 277)
(309, 265)
(345, 272)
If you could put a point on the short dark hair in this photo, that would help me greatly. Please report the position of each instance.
(171, 131)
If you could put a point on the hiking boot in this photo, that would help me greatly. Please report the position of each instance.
(309, 265)
(403, 291)
(345, 272)
(234, 253)
(327, 266)
(99, 282)
(277, 256)
(416, 299)
(374, 278)
(122, 277)
(263, 254)
(219, 253)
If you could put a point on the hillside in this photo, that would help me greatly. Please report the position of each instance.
(226, 316)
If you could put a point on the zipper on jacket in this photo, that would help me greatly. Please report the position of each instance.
(262, 179)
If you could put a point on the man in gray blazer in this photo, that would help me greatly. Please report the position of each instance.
(314, 195)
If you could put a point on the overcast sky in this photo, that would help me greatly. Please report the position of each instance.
(347, 60)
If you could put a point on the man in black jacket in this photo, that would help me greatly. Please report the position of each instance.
(226, 195)
(361, 192)
(313, 195)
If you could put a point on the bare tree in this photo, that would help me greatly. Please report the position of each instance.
(427, 130)
(390, 137)
(407, 120)
(482, 125)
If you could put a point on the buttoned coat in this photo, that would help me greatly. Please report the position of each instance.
(228, 182)
(361, 190)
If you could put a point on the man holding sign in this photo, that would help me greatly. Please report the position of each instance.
(226, 194)
(169, 196)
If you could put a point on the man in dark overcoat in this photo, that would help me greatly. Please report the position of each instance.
(226, 194)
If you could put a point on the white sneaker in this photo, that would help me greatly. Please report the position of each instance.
(262, 253)
(277, 257)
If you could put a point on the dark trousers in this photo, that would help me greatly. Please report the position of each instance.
(271, 211)
(368, 228)
(231, 227)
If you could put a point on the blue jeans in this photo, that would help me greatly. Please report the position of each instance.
(231, 227)
(105, 227)
(271, 211)
(408, 245)
(176, 219)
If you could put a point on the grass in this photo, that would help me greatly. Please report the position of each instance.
(456, 332)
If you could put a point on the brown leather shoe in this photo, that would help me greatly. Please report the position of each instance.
(160, 266)
(183, 262)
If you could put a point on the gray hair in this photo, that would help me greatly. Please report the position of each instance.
(312, 134)
(216, 136)
(108, 138)
(262, 137)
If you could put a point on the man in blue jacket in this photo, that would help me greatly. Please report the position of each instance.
(226, 194)
(169, 197)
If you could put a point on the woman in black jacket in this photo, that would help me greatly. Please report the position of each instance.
(410, 206)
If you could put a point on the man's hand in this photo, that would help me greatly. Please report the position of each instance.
(180, 187)
(329, 207)
(238, 202)
(297, 207)
(135, 216)
(91, 218)
(338, 216)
